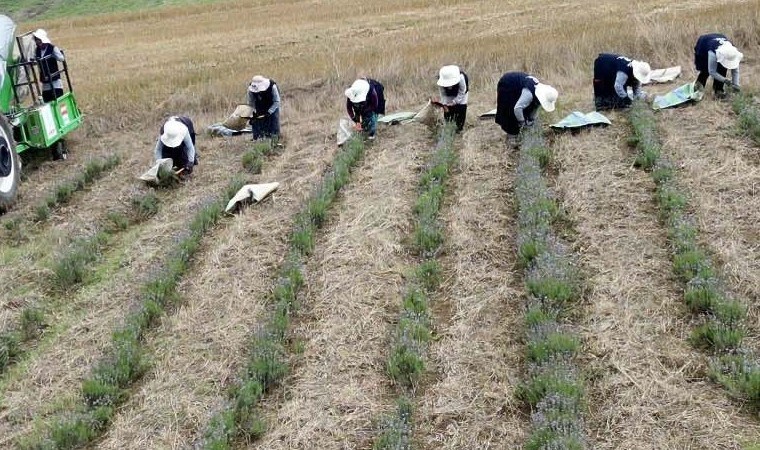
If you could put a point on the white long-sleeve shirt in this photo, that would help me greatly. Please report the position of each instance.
(526, 98)
(712, 69)
(620, 79)
(459, 99)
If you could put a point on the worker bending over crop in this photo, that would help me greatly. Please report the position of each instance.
(365, 100)
(454, 87)
(714, 56)
(518, 96)
(177, 141)
(613, 75)
(264, 98)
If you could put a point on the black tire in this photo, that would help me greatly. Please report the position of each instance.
(10, 166)
(60, 152)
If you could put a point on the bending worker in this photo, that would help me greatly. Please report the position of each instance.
(518, 97)
(714, 56)
(177, 141)
(454, 88)
(613, 75)
(264, 98)
(365, 99)
(48, 56)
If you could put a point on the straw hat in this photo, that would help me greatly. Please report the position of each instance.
(641, 71)
(174, 133)
(41, 35)
(547, 96)
(728, 56)
(448, 76)
(358, 91)
(259, 84)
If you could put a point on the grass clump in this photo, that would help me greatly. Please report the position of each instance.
(253, 158)
(397, 430)
(267, 358)
(71, 268)
(63, 192)
(722, 329)
(748, 111)
(552, 390)
(124, 362)
(145, 206)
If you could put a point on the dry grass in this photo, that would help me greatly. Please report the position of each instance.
(476, 358)
(722, 173)
(649, 386)
(313, 51)
(223, 302)
(339, 387)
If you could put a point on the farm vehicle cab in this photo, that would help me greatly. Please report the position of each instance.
(26, 120)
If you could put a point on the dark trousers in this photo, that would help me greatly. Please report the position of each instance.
(266, 127)
(456, 114)
(717, 85)
(611, 102)
(51, 94)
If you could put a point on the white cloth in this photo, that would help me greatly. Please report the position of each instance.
(151, 176)
(252, 192)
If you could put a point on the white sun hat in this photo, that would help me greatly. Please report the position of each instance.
(448, 76)
(174, 133)
(728, 56)
(358, 91)
(547, 96)
(641, 71)
(41, 35)
(259, 84)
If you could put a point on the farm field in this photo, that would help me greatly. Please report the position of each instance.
(309, 320)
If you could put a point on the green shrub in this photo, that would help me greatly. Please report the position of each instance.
(117, 221)
(717, 337)
(145, 206)
(559, 292)
(32, 323)
(540, 385)
(397, 431)
(692, 264)
(428, 274)
(405, 365)
(551, 346)
(253, 160)
(670, 199)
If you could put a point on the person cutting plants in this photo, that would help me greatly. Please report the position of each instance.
(518, 96)
(714, 56)
(454, 88)
(264, 98)
(613, 76)
(365, 100)
(176, 140)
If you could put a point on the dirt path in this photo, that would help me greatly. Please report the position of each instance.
(199, 349)
(721, 171)
(477, 316)
(48, 380)
(648, 387)
(355, 280)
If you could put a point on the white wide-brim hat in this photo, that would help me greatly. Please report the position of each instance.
(448, 76)
(41, 35)
(641, 71)
(174, 133)
(358, 91)
(547, 96)
(259, 84)
(728, 56)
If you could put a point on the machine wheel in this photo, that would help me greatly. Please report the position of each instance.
(60, 151)
(10, 166)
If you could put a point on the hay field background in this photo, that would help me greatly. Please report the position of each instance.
(647, 386)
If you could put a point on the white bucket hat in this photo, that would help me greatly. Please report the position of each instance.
(41, 35)
(547, 96)
(641, 71)
(728, 56)
(358, 91)
(448, 76)
(174, 133)
(259, 84)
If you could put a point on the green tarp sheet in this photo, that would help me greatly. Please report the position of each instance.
(577, 119)
(679, 96)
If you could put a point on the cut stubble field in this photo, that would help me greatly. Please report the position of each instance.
(646, 387)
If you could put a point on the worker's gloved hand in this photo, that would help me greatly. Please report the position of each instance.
(735, 87)
(358, 126)
(529, 123)
(188, 169)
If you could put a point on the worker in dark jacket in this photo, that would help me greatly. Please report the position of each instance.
(613, 75)
(48, 56)
(365, 100)
(714, 56)
(177, 141)
(518, 96)
(454, 90)
(264, 98)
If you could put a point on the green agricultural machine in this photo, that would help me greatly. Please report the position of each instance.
(26, 121)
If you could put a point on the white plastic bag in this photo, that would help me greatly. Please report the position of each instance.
(345, 131)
